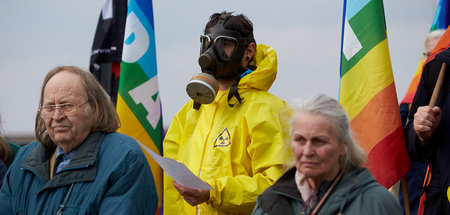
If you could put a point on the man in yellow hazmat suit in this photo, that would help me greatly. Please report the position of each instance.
(233, 134)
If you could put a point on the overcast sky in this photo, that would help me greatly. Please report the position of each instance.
(36, 36)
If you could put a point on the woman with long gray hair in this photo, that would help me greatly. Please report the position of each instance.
(328, 177)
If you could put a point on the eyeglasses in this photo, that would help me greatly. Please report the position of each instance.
(68, 109)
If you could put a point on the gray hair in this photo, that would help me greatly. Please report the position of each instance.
(328, 107)
(436, 34)
(98, 103)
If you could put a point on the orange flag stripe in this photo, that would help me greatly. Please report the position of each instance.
(368, 125)
(409, 95)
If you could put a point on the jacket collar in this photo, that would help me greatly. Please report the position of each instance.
(265, 60)
(286, 185)
(81, 168)
(352, 184)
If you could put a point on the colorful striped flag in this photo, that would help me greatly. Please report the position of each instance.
(367, 90)
(441, 21)
(138, 102)
(443, 44)
(441, 18)
(409, 95)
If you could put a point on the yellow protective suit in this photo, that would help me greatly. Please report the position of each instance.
(240, 151)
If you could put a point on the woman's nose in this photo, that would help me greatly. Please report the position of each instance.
(308, 149)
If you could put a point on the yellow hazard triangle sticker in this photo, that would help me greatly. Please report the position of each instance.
(223, 139)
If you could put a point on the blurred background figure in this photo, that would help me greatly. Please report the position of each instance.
(426, 131)
(417, 171)
(7, 152)
(429, 44)
(328, 177)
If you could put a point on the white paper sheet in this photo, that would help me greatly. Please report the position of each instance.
(178, 171)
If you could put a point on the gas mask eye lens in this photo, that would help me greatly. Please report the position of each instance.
(205, 43)
(228, 47)
(225, 46)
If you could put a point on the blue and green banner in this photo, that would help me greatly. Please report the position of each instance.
(138, 102)
(442, 17)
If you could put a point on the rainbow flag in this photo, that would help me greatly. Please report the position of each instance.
(367, 90)
(441, 18)
(409, 95)
(441, 21)
(138, 102)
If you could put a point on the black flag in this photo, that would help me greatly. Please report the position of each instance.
(106, 54)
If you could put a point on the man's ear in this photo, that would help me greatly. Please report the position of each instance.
(250, 51)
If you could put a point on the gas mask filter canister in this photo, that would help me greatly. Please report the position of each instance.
(202, 88)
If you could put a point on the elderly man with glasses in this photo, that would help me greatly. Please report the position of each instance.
(78, 165)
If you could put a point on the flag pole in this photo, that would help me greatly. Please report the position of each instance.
(437, 87)
(405, 195)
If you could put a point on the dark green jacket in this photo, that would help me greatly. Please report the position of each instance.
(356, 193)
(108, 174)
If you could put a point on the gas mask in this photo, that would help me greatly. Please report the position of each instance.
(221, 54)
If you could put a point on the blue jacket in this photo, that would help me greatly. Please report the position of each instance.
(108, 174)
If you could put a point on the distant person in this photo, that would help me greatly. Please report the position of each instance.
(429, 44)
(10, 152)
(417, 171)
(328, 177)
(5, 155)
(78, 165)
(233, 133)
(7, 151)
(427, 133)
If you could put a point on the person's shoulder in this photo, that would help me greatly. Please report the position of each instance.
(264, 97)
(119, 144)
(363, 183)
(26, 149)
(261, 94)
(380, 200)
(122, 142)
(187, 106)
(379, 192)
(120, 139)
(185, 110)
(431, 72)
(369, 197)
(267, 103)
(372, 190)
(119, 136)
